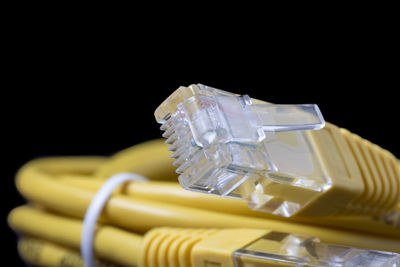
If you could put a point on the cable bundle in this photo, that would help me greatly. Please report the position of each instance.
(59, 191)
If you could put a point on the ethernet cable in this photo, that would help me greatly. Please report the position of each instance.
(139, 207)
(281, 159)
(157, 223)
(199, 247)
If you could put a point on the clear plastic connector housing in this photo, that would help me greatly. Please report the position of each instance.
(240, 147)
(282, 249)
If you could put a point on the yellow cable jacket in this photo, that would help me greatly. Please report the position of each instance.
(79, 165)
(379, 172)
(43, 253)
(142, 215)
(173, 193)
(110, 243)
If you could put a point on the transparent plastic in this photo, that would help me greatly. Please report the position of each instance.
(239, 147)
(282, 249)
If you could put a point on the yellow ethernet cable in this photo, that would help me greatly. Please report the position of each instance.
(197, 247)
(281, 159)
(350, 216)
(39, 252)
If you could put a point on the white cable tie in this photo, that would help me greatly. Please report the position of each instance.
(95, 208)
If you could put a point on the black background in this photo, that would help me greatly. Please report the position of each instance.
(93, 91)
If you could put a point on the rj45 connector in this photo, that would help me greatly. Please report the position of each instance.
(282, 159)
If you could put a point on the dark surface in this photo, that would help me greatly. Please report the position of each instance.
(85, 96)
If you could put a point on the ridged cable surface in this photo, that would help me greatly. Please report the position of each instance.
(380, 175)
(169, 247)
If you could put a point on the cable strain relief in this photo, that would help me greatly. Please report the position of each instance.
(171, 246)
